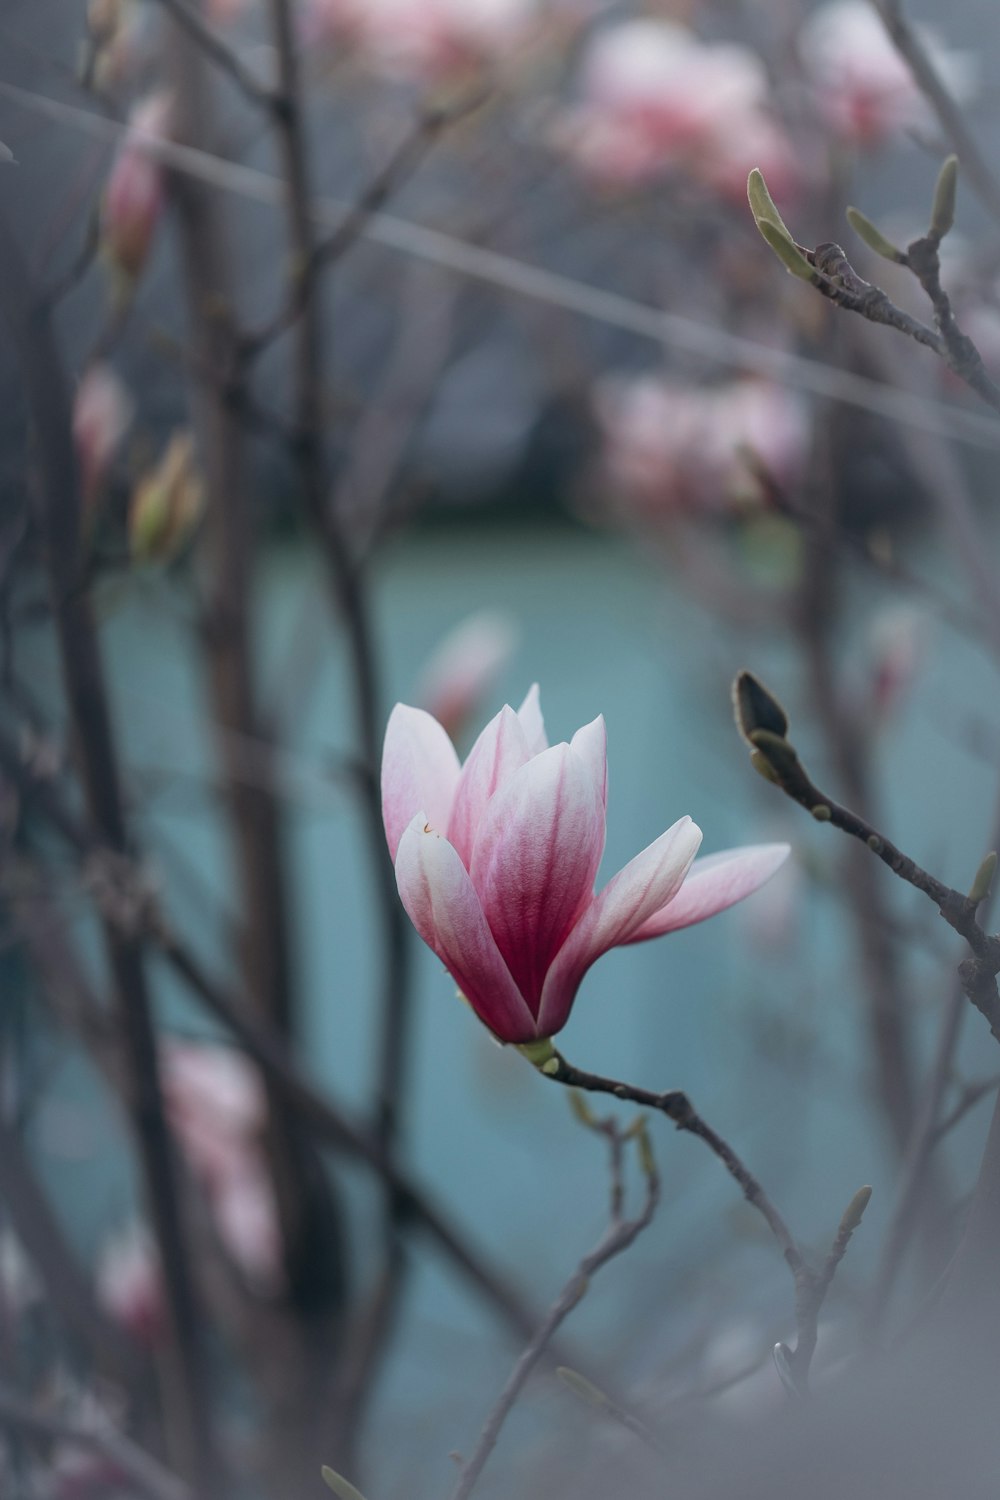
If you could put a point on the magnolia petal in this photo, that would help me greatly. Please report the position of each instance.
(530, 715)
(439, 896)
(500, 750)
(535, 858)
(419, 772)
(644, 885)
(713, 884)
(591, 744)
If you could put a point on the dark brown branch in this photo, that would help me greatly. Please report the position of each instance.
(676, 1105)
(317, 255)
(59, 513)
(305, 1207)
(838, 281)
(348, 594)
(776, 759)
(211, 45)
(811, 1286)
(620, 1234)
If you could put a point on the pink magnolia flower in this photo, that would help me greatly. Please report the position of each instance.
(863, 86)
(134, 195)
(496, 862)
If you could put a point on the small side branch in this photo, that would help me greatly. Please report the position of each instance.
(620, 1234)
(811, 1286)
(222, 56)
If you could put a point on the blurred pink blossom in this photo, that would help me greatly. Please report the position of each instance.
(671, 447)
(102, 411)
(464, 667)
(133, 195)
(130, 1284)
(426, 40)
(864, 88)
(653, 97)
(218, 1109)
(77, 1473)
(897, 647)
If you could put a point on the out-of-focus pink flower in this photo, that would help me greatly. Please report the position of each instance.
(673, 448)
(864, 88)
(217, 1107)
(133, 196)
(102, 412)
(464, 668)
(653, 98)
(130, 1284)
(496, 862)
(427, 40)
(896, 638)
(78, 1473)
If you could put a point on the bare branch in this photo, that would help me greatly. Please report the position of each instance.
(222, 56)
(620, 1234)
(925, 74)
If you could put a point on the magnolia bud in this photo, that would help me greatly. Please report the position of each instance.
(166, 504)
(133, 196)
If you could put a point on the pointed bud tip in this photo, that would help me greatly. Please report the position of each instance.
(980, 888)
(873, 237)
(945, 193)
(340, 1486)
(854, 1212)
(755, 707)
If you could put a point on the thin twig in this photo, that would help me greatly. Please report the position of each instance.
(222, 56)
(911, 48)
(811, 1287)
(620, 1234)
(676, 1105)
(404, 161)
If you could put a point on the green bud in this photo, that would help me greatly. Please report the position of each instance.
(980, 888)
(854, 1212)
(874, 238)
(787, 251)
(762, 205)
(539, 1053)
(943, 208)
(582, 1387)
(821, 812)
(340, 1485)
(756, 708)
